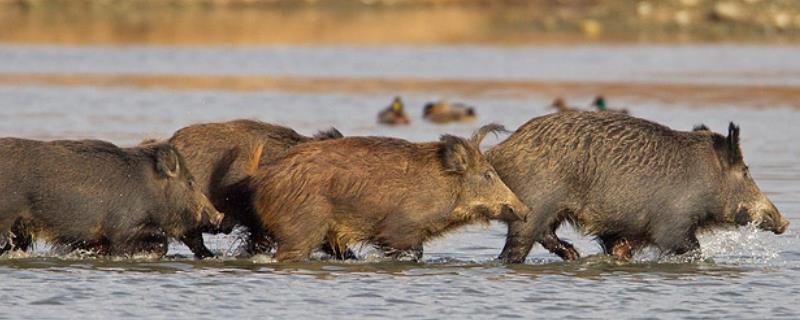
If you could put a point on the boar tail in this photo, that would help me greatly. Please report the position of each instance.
(331, 133)
(254, 159)
(495, 128)
(148, 141)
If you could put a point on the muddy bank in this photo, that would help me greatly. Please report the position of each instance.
(705, 95)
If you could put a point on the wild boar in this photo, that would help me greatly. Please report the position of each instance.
(92, 194)
(221, 156)
(628, 182)
(385, 191)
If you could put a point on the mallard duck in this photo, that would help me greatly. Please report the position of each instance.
(444, 112)
(561, 106)
(394, 114)
(600, 103)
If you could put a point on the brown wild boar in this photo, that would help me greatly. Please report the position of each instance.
(385, 191)
(91, 194)
(221, 156)
(628, 182)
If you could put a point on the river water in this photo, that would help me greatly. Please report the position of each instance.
(745, 273)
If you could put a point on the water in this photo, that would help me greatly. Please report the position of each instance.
(745, 273)
(705, 64)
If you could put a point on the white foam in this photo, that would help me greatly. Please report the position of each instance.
(744, 245)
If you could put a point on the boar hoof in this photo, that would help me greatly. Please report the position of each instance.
(561, 248)
(412, 254)
(622, 249)
(203, 253)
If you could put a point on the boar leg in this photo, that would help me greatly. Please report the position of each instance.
(194, 240)
(538, 228)
(338, 254)
(299, 234)
(148, 240)
(620, 247)
(22, 238)
(259, 242)
(294, 250)
(672, 242)
(690, 245)
(519, 241)
(100, 247)
(563, 249)
(415, 252)
(154, 242)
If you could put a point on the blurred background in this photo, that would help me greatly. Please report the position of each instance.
(125, 70)
(263, 22)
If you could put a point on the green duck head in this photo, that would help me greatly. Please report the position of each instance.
(600, 103)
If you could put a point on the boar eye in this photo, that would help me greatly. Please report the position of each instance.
(488, 175)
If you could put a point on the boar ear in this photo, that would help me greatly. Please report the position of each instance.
(331, 133)
(478, 136)
(454, 154)
(147, 141)
(734, 151)
(167, 162)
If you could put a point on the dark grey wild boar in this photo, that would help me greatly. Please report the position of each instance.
(92, 194)
(628, 182)
(221, 156)
(385, 191)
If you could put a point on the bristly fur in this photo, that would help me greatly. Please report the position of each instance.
(385, 191)
(623, 179)
(734, 150)
(88, 191)
(331, 133)
(454, 153)
(222, 156)
(481, 133)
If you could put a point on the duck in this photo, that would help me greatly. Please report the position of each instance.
(600, 104)
(444, 112)
(561, 106)
(394, 114)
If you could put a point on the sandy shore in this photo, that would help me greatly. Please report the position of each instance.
(696, 95)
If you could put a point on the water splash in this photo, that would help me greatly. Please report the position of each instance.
(262, 259)
(744, 245)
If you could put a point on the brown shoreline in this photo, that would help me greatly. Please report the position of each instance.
(695, 95)
(514, 22)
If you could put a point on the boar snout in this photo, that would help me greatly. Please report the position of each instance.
(214, 217)
(771, 218)
(765, 214)
(514, 211)
(206, 211)
(782, 226)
